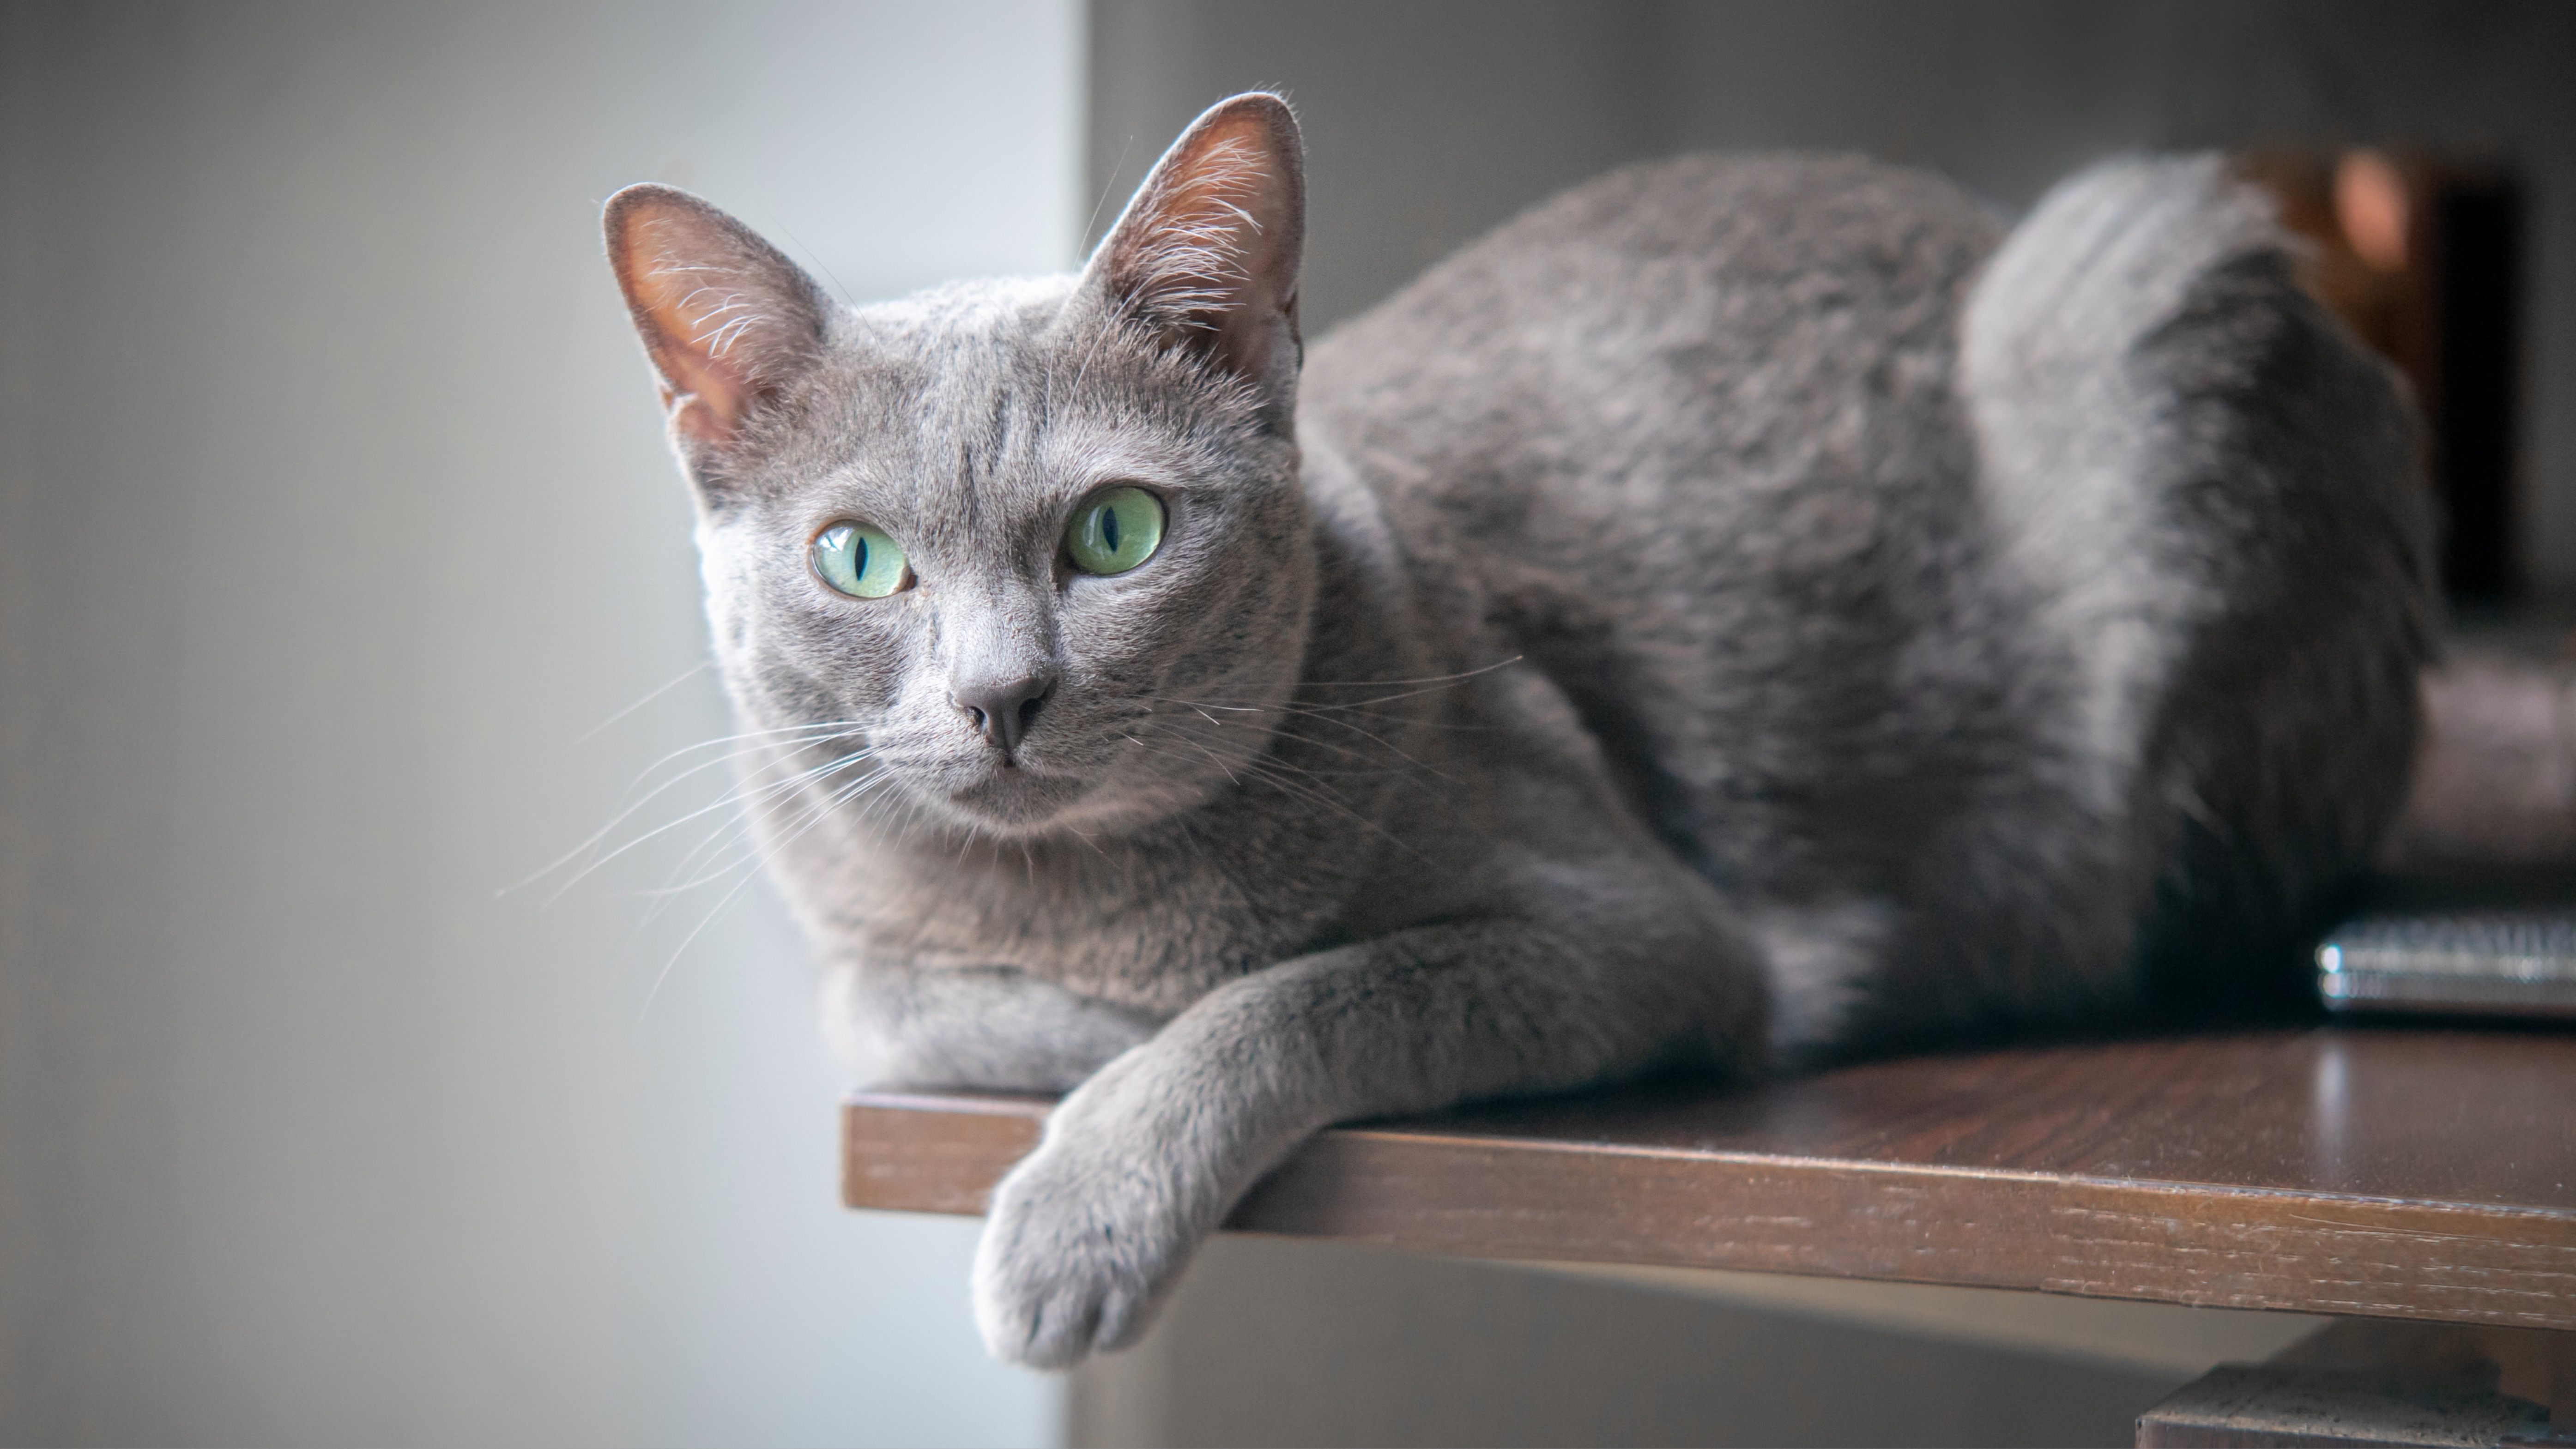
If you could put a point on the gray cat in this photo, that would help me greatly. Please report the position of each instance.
(1744, 611)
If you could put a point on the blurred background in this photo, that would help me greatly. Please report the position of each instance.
(337, 517)
(335, 524)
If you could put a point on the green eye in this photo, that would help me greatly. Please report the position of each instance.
(1115, 531)
(860, 561)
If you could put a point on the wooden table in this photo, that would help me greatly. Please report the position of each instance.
(2390, 1172)
(2378, 1171)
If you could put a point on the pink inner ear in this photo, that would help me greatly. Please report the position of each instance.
(725, 318)
(693, 313)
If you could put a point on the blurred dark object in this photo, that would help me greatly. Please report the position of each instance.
(2421, 255)
(2475, 906)
(2494, 788)
(2363, 1381)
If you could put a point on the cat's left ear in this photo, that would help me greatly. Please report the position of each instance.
(1207, 252)
(726, 319)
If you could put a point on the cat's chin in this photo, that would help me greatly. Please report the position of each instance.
(1022, 804)
(1013, 801)
(1019, 803)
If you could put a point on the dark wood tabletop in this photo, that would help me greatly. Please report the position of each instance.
(2389, 1171)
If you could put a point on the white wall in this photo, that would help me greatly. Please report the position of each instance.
(333, 513)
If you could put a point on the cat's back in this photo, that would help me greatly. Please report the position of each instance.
(1687, 394)
(1733, 301)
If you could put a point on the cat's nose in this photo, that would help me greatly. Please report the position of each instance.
(1005, 710)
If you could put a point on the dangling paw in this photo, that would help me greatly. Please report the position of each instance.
(1076, 1254)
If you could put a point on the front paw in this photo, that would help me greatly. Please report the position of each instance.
(1081, 1243)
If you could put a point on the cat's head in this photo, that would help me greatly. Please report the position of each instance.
(1031, 542)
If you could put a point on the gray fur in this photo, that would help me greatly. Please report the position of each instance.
(1743, 611)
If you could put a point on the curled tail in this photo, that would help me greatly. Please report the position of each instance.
(2072, 398)
(2210, 493)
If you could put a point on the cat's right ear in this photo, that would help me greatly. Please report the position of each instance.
(725, 318)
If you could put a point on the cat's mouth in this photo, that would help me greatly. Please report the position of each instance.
(1026, 798)
(1059, 784)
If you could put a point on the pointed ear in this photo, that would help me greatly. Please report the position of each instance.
(1207, 252)
(725, 318)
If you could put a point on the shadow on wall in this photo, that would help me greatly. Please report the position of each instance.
(1276, 1342)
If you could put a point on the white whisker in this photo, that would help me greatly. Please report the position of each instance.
(735, 796)
(694, 670)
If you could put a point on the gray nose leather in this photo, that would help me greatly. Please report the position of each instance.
(1004, 710)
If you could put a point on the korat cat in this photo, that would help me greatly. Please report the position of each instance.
(1742, 612)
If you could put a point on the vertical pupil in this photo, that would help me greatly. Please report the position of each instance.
(858, 555)
(1109, 527)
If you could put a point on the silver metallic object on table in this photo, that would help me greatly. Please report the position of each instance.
(2487, 963)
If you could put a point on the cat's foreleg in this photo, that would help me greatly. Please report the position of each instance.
(1140, 1163)
(984, 1027)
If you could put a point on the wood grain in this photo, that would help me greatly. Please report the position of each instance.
(2376, 1171)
